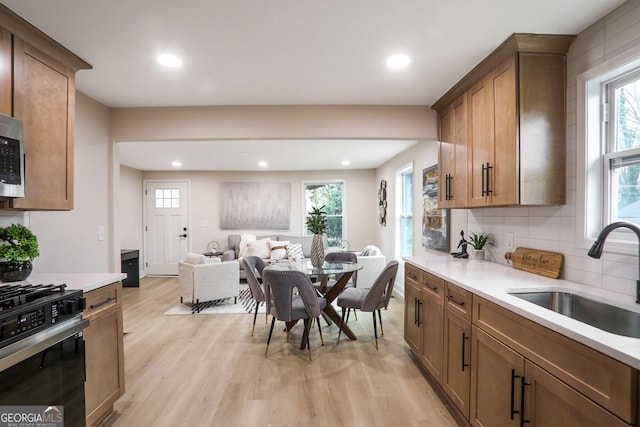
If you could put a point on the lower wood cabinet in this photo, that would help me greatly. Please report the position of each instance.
(104, 348)
(500, 369)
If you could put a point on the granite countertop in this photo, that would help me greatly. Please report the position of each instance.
(494, 282)
(83, 281)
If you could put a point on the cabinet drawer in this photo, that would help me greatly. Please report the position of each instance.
(458, 301)
(433, 285)
(604, 380)
(103, 300)
(412, 273)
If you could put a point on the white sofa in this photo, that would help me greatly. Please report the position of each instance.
(203, 280)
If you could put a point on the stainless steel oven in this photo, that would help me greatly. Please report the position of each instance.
(42, 356)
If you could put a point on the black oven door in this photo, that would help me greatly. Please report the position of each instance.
(47, 369)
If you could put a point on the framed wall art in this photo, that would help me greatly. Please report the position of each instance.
(255, 205)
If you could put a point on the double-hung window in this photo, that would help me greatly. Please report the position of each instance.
(405, 181)
(329, 194)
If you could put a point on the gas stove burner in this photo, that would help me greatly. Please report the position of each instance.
(15, 295)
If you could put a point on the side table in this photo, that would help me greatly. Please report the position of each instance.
(130, 264)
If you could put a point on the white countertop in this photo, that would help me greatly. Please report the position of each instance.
(83, 281)
(493, 282)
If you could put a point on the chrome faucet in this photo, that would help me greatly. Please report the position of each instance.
(596, 249)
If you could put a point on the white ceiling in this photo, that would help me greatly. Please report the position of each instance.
(288, 52)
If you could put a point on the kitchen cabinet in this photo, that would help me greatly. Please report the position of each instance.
(412, 315)
(515, 123)
(453, 154)
(456, 375)
(5, 72)
(104, 348)
(42, 83)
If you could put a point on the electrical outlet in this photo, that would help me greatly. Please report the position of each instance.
(508, 242)
(101, 233)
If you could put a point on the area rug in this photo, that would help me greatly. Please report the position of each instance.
(245, 304)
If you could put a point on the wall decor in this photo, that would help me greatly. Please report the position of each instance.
(435, 222)
(255, 205)
(382, 202)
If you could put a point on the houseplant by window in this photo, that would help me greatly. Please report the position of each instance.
(478, 241)
(317, 224)
(18, 247)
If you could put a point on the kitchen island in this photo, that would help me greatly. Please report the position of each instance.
(501, 359)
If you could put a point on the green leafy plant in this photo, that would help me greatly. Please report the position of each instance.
(18, 244)
(479, 240)
(317, 220)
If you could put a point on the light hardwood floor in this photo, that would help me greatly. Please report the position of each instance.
(207, 370)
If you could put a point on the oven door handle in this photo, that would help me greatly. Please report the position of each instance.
(34, 344)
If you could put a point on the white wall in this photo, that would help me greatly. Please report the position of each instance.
(69, 239)
(130, 210)
(554, 228)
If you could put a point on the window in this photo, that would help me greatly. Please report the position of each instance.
(167, 198)
(405, 181)
(331, 196)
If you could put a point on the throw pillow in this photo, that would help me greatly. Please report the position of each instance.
(294, 251)
(371, 251)
(278, 249)
(259, 248)
(244, 240)
(193, 258)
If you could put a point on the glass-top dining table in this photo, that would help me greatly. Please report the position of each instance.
(321, 274)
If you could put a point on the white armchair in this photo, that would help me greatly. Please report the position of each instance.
(203, 280)
(372, 267)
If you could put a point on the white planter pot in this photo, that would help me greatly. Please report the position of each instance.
(476, 255)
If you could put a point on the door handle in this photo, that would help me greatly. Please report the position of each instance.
(464, 338)
(182, 235)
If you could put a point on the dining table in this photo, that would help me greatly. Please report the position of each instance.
(343, 271)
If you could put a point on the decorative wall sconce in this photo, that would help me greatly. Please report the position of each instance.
(382, 202)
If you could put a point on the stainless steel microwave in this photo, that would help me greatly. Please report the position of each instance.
(11, 157)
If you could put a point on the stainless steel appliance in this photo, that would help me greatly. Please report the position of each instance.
(42, 361)
(11, 158)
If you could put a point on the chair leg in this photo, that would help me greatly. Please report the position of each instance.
(273, 322)
(342, 321)
(381, 328)
(255, 316)
(307, 324)
(320, 331)
(375, 329)
(355, 313)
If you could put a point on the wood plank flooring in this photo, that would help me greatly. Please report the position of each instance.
(207, 370)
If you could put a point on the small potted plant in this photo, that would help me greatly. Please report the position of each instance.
(317, 224)
(478, 241)
(18, 247)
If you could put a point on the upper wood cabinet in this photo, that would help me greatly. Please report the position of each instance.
(41, 79)
(453, 154)
(515, 127)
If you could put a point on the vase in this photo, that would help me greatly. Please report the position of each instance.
(476, 255)
(317, 251)
(14, 271)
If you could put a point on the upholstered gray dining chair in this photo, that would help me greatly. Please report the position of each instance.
(253, 266)
(342, 258)
(371, 300)
(290, 296)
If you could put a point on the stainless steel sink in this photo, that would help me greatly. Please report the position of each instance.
(595, 313)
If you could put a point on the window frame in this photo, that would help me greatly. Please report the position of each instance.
(400, 198)
(304, 211)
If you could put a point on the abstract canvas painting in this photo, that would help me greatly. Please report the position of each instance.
(435, 222)
(255, 205)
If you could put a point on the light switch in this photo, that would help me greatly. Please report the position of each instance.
(101, 233)
(508, 241)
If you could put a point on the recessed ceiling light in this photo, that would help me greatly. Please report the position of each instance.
(346, 162)
(169, 60)
(176, 164)
(398, 61)
(262, 164)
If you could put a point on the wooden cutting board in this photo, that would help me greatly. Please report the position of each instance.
(535, 261)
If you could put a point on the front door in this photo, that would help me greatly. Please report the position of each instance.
(166, 226)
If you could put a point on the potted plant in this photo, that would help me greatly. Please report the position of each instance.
(478, 241)
(317, 224)
(18, 247)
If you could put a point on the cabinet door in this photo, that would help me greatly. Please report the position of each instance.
(432, 335)
(551, 403)
(105, 365)
(503, 181)
(412, 317)
(44, 99)
(458, 184)
(495, 383)
(446, 157)
(456, 375)
(479, 133)
(6, 84)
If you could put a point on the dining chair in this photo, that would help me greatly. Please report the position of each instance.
(343, 258)
(370, 300)
(253, 266)
(290, 296)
